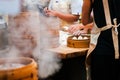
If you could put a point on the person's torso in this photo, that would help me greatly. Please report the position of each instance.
(99, 15)
(105, 39)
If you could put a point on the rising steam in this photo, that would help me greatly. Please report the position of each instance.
(31, 35)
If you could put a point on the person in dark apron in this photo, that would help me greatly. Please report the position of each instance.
(105, 38)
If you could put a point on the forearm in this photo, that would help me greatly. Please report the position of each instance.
(89, 26)
(67, 17)
(86, 12)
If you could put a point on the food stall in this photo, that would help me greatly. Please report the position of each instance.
(72, 59)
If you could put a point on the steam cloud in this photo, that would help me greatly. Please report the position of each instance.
(31, 35)
(49, 62)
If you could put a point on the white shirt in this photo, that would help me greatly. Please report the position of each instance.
(67, 6)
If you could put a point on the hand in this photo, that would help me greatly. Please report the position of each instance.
(75, 28)
(79, 32)
(50, 12)
(45, 9)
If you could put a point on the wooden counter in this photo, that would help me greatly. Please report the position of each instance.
(67, 52)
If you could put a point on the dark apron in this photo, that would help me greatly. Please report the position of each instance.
(96, 32)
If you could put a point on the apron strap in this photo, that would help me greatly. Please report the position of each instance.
(107, 12)
(114, 27)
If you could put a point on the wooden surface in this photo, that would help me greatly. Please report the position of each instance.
(67, 52)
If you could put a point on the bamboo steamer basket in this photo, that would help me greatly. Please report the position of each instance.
(78, 43)
(26, 72)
